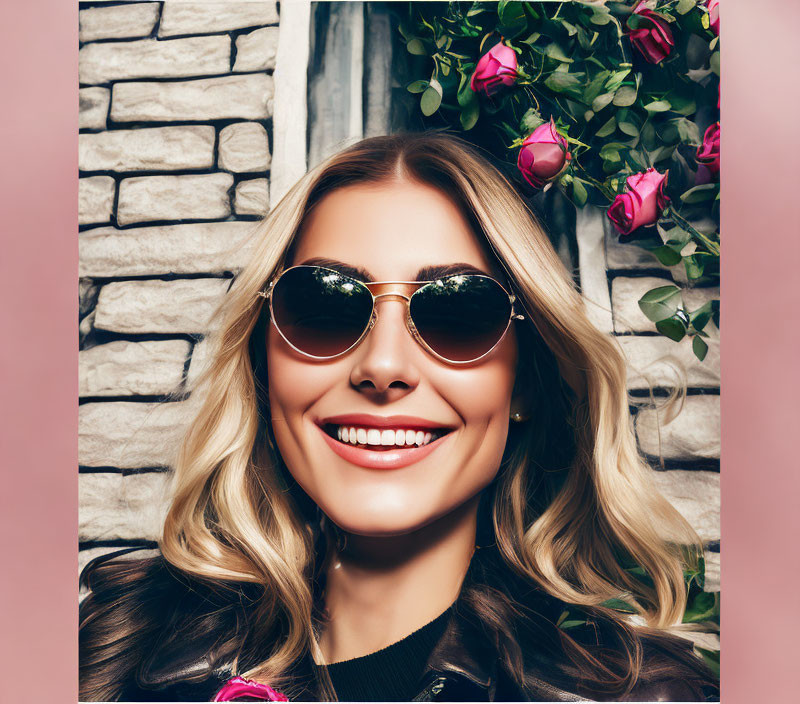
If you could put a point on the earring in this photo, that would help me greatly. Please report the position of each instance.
(517, 417)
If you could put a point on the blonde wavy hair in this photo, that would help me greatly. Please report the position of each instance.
(233, 519)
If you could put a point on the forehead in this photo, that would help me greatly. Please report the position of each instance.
(392, 230)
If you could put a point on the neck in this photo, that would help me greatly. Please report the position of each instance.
(380, 590)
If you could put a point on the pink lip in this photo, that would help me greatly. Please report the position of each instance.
(368, 420)
(380, 459)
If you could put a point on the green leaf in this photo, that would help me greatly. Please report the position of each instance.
(512, 17)
(699, 194)
(595, 87)
(416, 47)
(684, 6)
(625, 95)
(611, 150)
(616, 78)
(530, 121)
(600, 16)
(465, 95)
(672, 328)
(619, 605)
(704, 607)
(660, 303)
(469, 115)
(431, 98)
(658, 106)
(554, 51)
(607, 128)
(710, 657)
(601, 101)
(667, 255)
(571, 624)
(561, 81)
(699, 347)
(701, 316)
(628, 128)
(579, 193)
(714, 62)
(417, 86)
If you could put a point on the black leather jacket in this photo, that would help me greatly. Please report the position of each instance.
(463, 666)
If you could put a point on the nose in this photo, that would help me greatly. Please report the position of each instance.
(384, 361)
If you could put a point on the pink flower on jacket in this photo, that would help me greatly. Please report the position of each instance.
(654, 38)
(708, 151)
(543, 155)
(497, 67)
(713, 15)
(238, 687)
(641, 203)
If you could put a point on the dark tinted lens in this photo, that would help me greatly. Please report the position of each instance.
(320, 311)
(461, 317)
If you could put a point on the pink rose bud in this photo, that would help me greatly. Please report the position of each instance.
(497, 67)
(641, 203)
(713, 15)
(543, 155)
(238, 687)
(708, 151)
(653, 39)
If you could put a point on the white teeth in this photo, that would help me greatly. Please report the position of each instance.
(386, 437)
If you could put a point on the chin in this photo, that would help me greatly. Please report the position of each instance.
(382, 522)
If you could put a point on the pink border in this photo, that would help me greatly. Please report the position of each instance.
(38, 352)
(760, 342)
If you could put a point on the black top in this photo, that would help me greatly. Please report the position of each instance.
(391, 674)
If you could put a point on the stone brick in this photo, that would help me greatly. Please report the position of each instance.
(85, 328)
(247, 96)
(117, 507)
(252, 197)
(203, 247)
(87, 296)
(148, 149)
(256, 51)
(207, 17)
(200, 359)
(244, 146)
(712, 571)
(181, 306)
(117, 21)
(129, 435)
(625, 295)
(656, 362)
(696, 496)
(122, 368)
(93, 107)
(148, 198)
(151, 58)
(95, 199)
(693, 434)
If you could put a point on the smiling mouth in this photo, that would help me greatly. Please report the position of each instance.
(383, 439)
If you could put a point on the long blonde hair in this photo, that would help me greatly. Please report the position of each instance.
(232, 518)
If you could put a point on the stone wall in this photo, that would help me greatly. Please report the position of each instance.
(175, 145)
(179, 154)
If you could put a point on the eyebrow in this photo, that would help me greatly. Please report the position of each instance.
(430, 272)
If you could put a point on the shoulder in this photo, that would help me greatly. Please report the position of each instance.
(149, 632)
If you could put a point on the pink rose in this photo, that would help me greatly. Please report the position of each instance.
(543, 155)
(708, 151)
(654, 38)
(496, 67)
(641, 203)
(238, 687)
(713, 15)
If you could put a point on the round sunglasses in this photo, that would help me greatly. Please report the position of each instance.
(324, 314)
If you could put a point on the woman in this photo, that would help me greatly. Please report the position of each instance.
(413, 474)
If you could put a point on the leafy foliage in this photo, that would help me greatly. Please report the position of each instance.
(619, 113)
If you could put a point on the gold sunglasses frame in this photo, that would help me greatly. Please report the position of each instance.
(412, 328)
